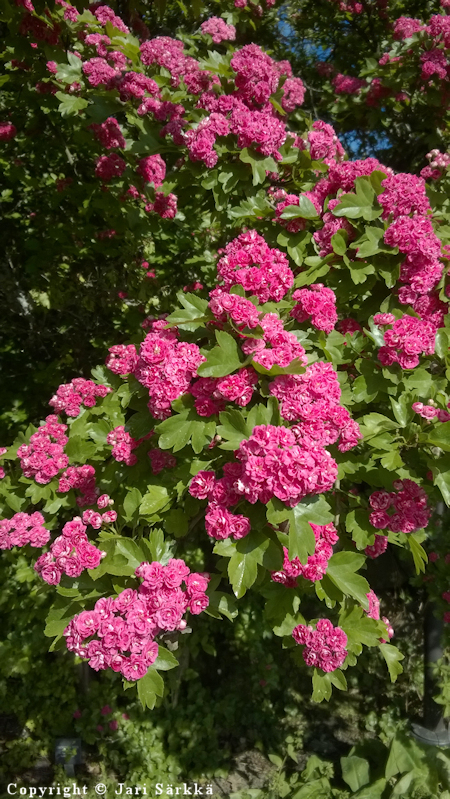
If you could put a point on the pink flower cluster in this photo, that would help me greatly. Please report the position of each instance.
(403, 194)
(248, 113)
(166, 367)
(285, 199)
(408, 338)
(378, 547)
(23, 529)
(81, 478)
(324, 144)
(374, 613)
(168, 53)
(212, 394)
(346, 84)
(269, 464)
(405, 27)
(261, 270)
(71, 396)
(122, 630)
(152, 169)
(312, 400)
(99, 72)
(105, 14)
(278, 347)
(44, 456)
(331, 225)
(109, 167)
(324, 646)
(7, 131)
(109, 133)
(99, 41)
(437, 162)
(241, 311)
(70, 12)
(159, 460)
(165, 205)
(136, 85)
(122, 359)
(257, 75)
(431, 412)
(413, 235)
(95, 519)
(349, 326)
(273, 464)
(317, 302)
(71, 553)
(410, 505)
(200, 140)
(221, 524)
(123, 445)
(316, 565)
(219, 30)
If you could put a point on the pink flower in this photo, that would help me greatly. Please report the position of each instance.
(109, 167)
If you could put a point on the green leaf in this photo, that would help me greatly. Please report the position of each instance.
(70, 104)
(59, 616)
(193, 314)
(442, 343)
(360, 204)
(128, 551)
(360, 272)
(402, 409)
(165, 660)
(157, 544)
(392, 656)
(301, 536)
(37, 492)
(360, 628)
(355, 771)
(405, 755)
(275, 759)
(176, 523)
(69, 73)
(374, 423)
(233, 428)
(149, 687)
(79, 450)
(357, 523)
(439, 436)
(341, 571)
(221, 604)
(98, 431)
(154, 500)
(242, 571)
(131, 503)
(140, 424)
(373, 791)
(339, 242)
(321, 686)
(259, 164)
(304, 210)
(338, 679)
(223, 359)
(418, 553)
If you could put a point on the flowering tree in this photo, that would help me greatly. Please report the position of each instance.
(391, 97)
(273, 430)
